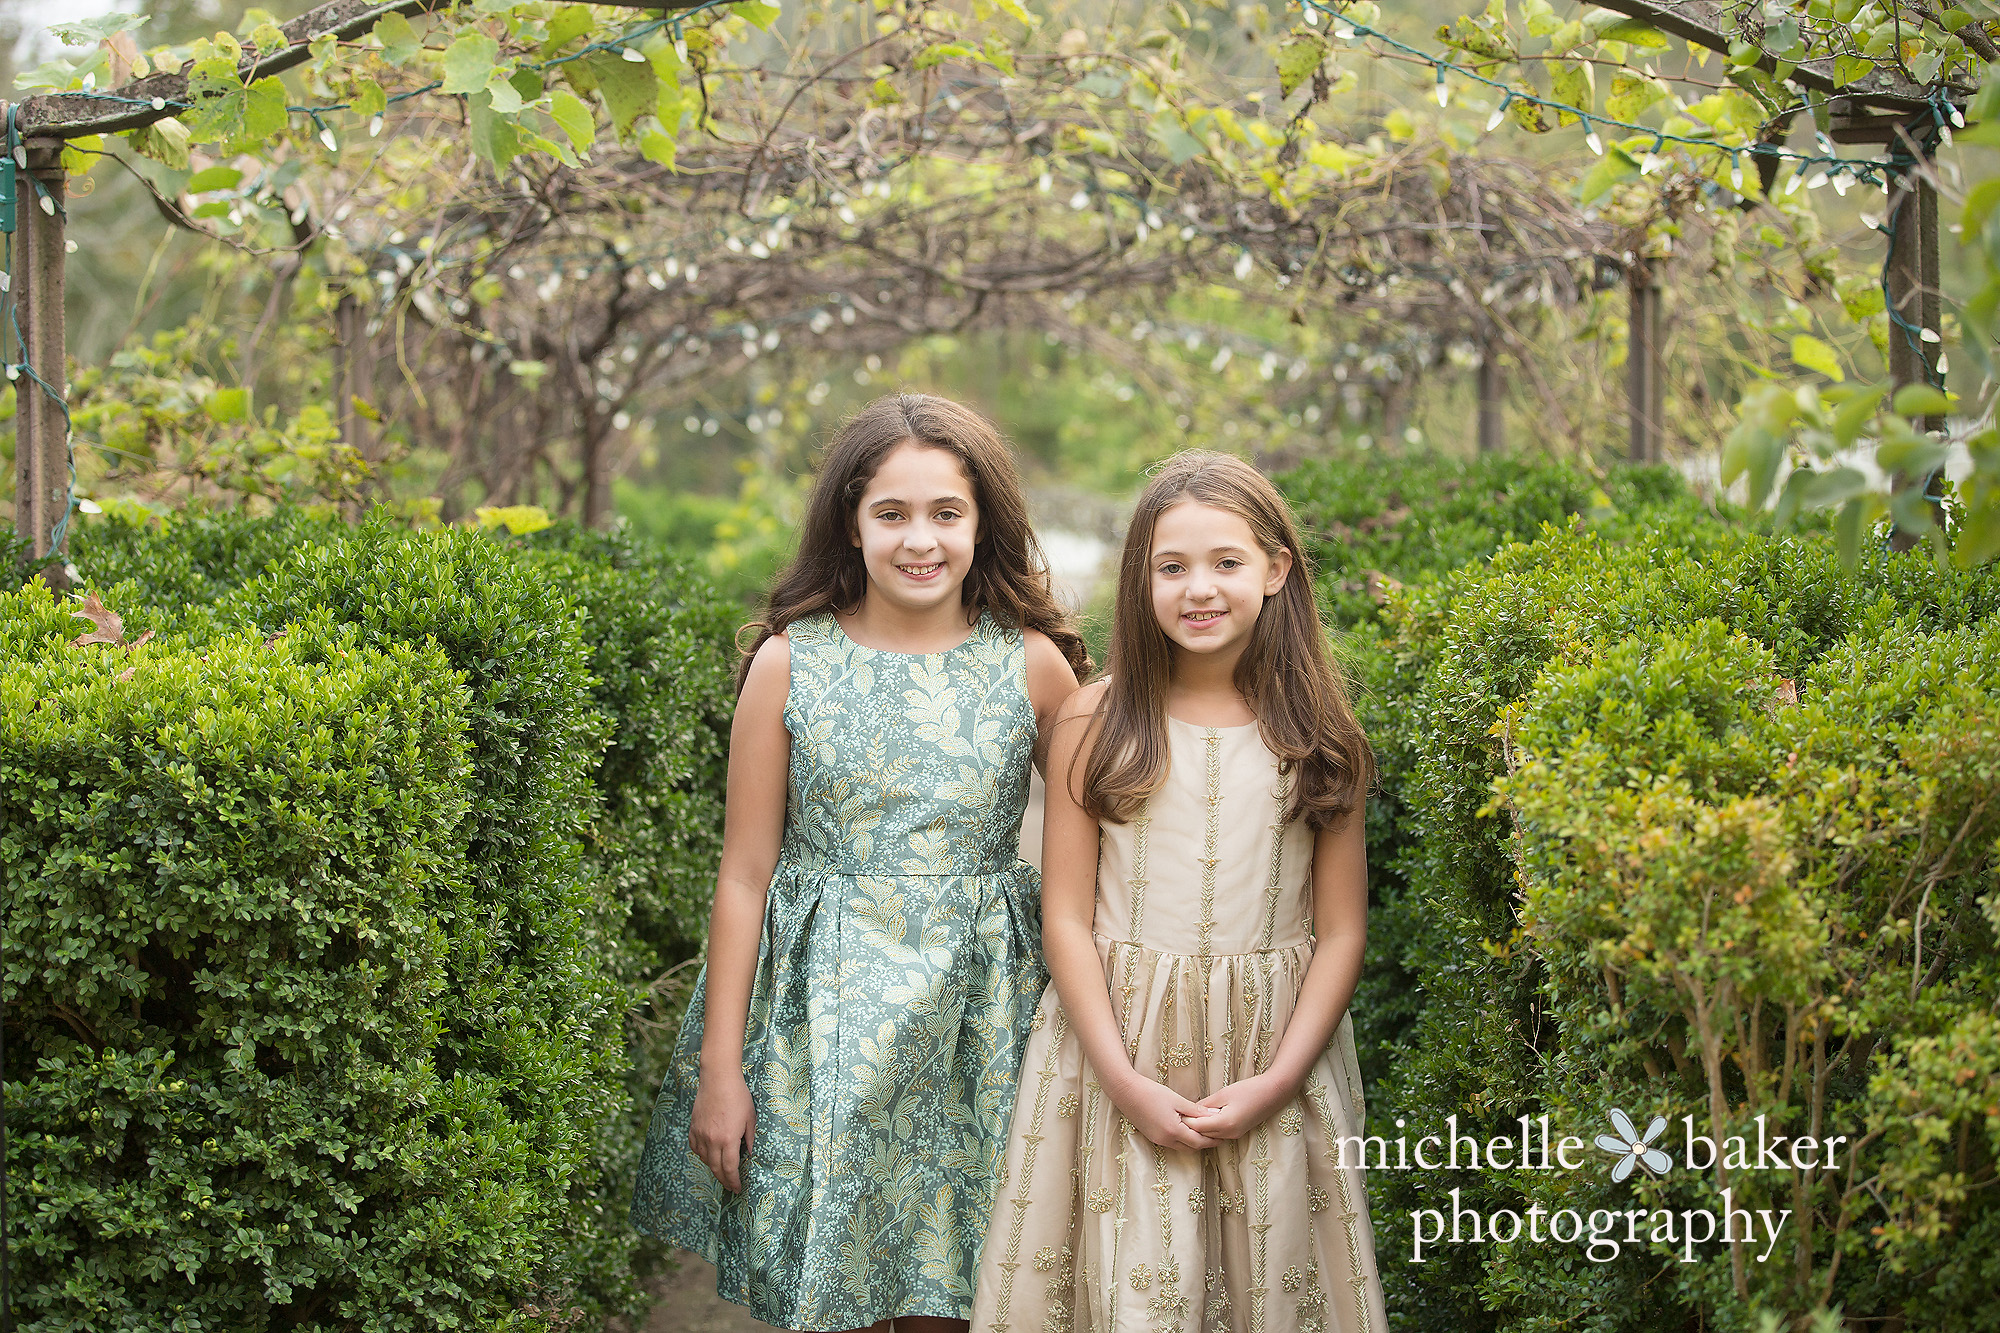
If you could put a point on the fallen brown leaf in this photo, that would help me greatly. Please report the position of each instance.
(109, 628)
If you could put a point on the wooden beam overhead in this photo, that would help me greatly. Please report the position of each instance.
(1706, 23)
(74, 115)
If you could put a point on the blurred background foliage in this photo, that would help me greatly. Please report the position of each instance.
(215, 357)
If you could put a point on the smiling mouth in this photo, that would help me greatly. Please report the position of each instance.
(1202, 617)
(921, 571)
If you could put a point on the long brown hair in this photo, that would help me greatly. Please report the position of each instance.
(1009, 575)
(1284, 674)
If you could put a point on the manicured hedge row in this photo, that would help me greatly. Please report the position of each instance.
(1665, 801)
(461, 1158)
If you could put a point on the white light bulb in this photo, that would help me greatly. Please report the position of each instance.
(1493, 121)
(627, 53)
(1595, 144)
(1443, 93)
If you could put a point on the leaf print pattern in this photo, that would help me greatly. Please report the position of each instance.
(896, 982)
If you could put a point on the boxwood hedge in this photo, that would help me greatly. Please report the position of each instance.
(327, 914)
(1668, 805)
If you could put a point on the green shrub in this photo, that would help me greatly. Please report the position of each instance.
(1625, 702)
(232, 894)
(581, 865)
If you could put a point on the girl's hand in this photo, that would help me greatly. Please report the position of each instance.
(1232, 1112)
(1160, 1113)
(723, 1125)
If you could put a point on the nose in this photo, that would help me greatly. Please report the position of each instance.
(1201, 584)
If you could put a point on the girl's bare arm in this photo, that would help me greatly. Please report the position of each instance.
(1069, 906)
(753, 823)
(1050, 682)
(1340, 927)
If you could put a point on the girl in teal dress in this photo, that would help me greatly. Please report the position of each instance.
(830, 1129)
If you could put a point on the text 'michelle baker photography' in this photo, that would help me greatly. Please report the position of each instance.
(1601, 1233)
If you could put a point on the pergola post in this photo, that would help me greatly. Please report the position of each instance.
(1492, 431)
(41, 442)
(1644, 376)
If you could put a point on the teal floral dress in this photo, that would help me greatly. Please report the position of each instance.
(897, 978)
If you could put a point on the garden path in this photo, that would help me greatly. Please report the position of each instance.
(688, 1303)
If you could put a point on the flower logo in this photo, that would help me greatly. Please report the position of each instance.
(1632, 1149)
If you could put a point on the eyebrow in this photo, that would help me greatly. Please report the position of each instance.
(905, 504)
(1217, 550)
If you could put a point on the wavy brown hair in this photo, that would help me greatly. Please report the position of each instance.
(1285, 674)
(1009, 575)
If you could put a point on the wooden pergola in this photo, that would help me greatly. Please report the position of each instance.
(38, 128)
(1881, 108)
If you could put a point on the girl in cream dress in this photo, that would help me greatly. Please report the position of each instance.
(1174, 1161)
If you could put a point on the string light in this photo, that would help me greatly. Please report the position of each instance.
(1865, 169)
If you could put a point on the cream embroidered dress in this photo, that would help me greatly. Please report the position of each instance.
(1201, 922)
(897, 975)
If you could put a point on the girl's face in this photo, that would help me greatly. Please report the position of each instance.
(916, 527)
(1210, 578)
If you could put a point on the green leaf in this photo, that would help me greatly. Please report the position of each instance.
(227, 405)
(1298, 56)
(494, 136)
(503, 97)
(759, 13)
(213, 178)
(574, 118)
(1571, 85)
(469, 63)
(215, 95)
(264, 113)
(656, 145)
(164, 141)
(1848, 525)
(1631, 94)
(1911, 458)
(570, 23)
(1853, 414)
(1616, 165)
(1979, 204)
(1103, 83)
(89, 32)
(932, 56)
(998, 53)
(1813, 354)
(1978, 536)
(1173, 136)
(1018, 12)
(1633, 31)
(629, 90)
(399, 40)
(1921, 400)
(1835, 486)
(369, 99)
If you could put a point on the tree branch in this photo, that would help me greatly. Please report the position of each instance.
(73, 115)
